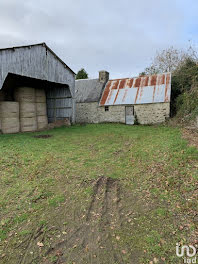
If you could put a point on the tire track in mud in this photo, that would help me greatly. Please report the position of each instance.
(28, 243)
(92, 242)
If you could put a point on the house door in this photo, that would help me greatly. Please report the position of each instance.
(129, 115)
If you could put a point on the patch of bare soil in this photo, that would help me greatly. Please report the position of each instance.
(92, 239)
(43, 136)
(191, 135)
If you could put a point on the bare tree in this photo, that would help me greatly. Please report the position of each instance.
(168, 60)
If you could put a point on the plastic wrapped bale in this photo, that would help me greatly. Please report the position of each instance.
(9, 116)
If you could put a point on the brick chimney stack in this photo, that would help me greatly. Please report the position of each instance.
(103, 76)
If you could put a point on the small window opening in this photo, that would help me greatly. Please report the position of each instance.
(106, 108)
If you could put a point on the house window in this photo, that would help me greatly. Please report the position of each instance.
(106, 108)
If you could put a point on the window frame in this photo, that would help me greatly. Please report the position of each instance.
(106, 108)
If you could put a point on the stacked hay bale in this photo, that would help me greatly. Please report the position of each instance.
(41, 109)
(27, 108)
(27, 114)
(9, 117)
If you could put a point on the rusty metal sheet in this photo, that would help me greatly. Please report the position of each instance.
(139, 90)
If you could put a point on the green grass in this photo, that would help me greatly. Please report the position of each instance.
(153, 163)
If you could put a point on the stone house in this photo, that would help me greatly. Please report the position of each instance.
(145, 99)
(88, 93)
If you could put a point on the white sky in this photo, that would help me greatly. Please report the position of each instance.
(120, 36)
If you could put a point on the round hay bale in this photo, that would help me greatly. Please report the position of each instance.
(10, 125)
(41, 109)
(28, 124)
(42, 122)
(40, 96)
(25, 94)
(27, 109)
(9, 109)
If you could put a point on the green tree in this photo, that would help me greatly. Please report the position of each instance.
(184, 88)
(81, 74)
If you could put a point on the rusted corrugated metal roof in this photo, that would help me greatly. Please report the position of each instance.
(138, 90)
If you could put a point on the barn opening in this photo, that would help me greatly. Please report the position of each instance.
(52, 103)
(36, 87)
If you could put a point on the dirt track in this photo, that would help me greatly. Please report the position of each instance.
(93, 241)
(93, 237)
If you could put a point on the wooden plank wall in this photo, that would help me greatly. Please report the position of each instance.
(40, 63)
(59, 104)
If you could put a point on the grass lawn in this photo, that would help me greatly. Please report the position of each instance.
(99, 194)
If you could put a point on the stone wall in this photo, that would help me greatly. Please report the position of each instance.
(146, 114)
(116, 114)
(152, 113)
(87, 112)
(93, 113)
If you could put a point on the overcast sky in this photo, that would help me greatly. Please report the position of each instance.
(120, 36)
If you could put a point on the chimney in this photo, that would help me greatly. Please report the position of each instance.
(103, 76)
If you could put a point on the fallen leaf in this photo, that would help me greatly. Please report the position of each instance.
(59, 253)
(87, 249)
(40, 244)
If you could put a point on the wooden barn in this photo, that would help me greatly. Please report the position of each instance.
(36, 88)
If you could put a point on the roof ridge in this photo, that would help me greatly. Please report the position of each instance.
(24, 46)
(87, 79)
(140, 76)
(39, 44)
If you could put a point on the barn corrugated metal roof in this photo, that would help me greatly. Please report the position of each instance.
(138, 90)
(88, 90)
(40, 44)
